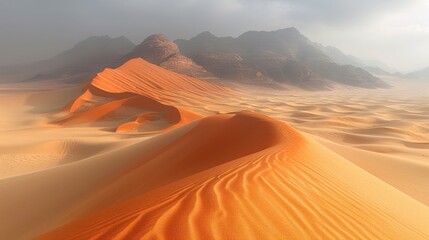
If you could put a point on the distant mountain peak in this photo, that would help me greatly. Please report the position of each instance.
(204, 35)
(423, 73)
(289, 30)
(156, 37)
(120, 45)
(159, 50)
(155, 49)
(102, 38)
(122, 38)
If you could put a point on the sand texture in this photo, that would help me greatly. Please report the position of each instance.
(145, 153)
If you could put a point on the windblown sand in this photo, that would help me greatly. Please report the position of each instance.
(145, 153)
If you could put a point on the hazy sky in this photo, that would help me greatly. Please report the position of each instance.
(393, 31)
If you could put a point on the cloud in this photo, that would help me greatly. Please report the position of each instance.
(335, 12)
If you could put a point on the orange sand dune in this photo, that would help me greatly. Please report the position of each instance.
(133, 95)
(385, 132)
(228, 176)
(141, 77)
(129, 111)
(247, 176)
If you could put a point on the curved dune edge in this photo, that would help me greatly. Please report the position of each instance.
(247, 176)
(147, 88)
(141, 77)
(144, 110)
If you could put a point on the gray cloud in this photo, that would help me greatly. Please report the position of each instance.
(341, 12)
(31, 30)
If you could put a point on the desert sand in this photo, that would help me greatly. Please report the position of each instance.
(142, 152)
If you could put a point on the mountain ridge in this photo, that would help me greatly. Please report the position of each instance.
(283, 55)
(159, 50)
(76, 64)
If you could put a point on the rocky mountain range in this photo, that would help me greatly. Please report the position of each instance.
(285, 56)
(420, 74)
(373, 67)
(273, 59)
(157, 49)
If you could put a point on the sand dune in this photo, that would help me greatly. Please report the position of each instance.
(144, 78)
(147, 153)
(275, 184)
(132, 96)
(390, 126)
(129, 112)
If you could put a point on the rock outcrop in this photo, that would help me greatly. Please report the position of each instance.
(159, 50)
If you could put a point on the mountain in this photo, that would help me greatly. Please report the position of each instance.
(424, 73)
(285, 56)
(381, 65)
(84, 59)
(371, 66)
(339, 57)
(159, 50)
(93, 52)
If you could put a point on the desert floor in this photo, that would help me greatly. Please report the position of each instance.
(253, 163)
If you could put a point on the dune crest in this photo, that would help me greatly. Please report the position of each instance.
(141, 77)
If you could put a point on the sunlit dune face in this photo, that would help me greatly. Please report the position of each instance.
(142, 152)
(214, 119)
(133, 96)
(273, 179)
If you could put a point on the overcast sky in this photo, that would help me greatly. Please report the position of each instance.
(393, 31)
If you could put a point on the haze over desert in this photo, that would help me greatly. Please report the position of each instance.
(263, 135)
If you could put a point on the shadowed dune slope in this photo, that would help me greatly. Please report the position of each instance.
(246, 176)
